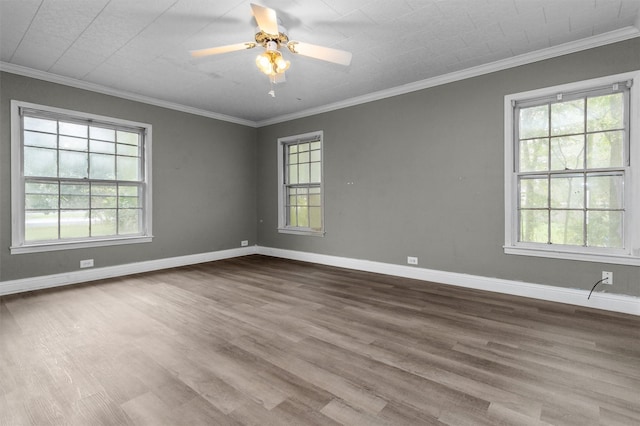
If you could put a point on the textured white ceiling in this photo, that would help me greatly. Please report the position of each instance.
(141, 46)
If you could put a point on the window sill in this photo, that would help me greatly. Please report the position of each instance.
(301, 231)
(618, 259)
(44, 247)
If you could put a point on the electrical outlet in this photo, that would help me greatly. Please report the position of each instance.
(244, 243)
(412, 260)
(87, 263)
(607, 277)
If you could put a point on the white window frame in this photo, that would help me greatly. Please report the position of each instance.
(630, 254)
(282, 213)
(18, 243)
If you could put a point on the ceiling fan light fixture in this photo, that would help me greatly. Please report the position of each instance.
(280, 64)
(271, 62)
(263, 62)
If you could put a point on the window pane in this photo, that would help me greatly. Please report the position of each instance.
(605, 192)
(534, 192)
(303, 157)
(315, 200)
(604, 229)
(40, 124)
(102, 134)
(104, 189)
(567, 153)
(40, 201)
(567, 227)
(73, 164)
(293, 159)
(605, 149)
(128, 197)
(315, 145)
(74, 144)
(41, 225)
(567, 117)
(303, 216)
(44, 140)
(103, 147)
(40, 162)
(293, 174)
(292, 148)
(534, 122)
(534, 226)
(128, 221)
(74, 196)
(315, 218)
(103, 196)
(567, 192)
(293, 218)
(316, 174)
(41, 196)
(128, 168)
(303, 147)
(605, 112)
(315, 156)
(74, 223)
(41, 188)
(534, 155)
(303, 173)
(127, 150)
(102, 166)
(103, 222)
(72, 129)
(130, 138)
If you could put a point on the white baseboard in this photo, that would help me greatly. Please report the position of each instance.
(84, 275)
(606, 301)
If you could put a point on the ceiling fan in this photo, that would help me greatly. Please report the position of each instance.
(272, 36)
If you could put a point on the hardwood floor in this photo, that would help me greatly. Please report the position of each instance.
(264, 341)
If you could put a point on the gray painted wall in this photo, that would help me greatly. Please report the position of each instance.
(426, 167)
(204, 181)
(428, 179)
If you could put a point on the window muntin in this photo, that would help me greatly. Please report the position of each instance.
(301, 198)
(569, 157)
(79, 180)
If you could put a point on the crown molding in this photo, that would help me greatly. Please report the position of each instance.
(524, 59)
(79, 84)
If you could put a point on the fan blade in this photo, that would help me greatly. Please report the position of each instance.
(266, 19)
(336, 56)
(221, 49)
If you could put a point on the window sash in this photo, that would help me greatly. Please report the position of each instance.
(121, 208)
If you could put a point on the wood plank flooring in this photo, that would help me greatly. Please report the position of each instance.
(264, 341)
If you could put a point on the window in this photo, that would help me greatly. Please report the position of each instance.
(300, 184)
(572, 171)
(78, 180)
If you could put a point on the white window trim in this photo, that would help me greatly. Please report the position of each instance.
(282, 214)
(18, 245)
(631, 254)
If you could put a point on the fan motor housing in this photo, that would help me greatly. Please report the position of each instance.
(263, 38)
